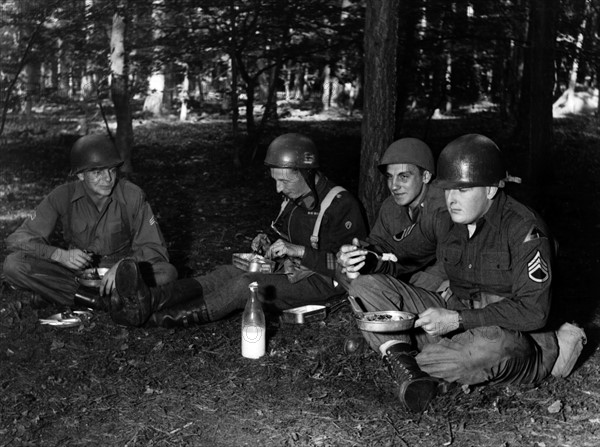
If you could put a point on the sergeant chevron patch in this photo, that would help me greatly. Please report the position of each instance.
(537, 268)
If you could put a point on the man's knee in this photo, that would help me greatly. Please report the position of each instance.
(15, 267)
(363, 285)
(486, 354)
(375, 292)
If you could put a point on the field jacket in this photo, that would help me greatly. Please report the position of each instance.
(125, 226)
(394, 223)
(341, 222)
(509, 257)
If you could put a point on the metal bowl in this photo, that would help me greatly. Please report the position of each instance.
(91, 277)
(386, 321)
(382, 321)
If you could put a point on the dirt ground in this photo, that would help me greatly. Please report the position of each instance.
(101, 384)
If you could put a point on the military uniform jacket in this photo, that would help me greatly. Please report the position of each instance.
(394, 223)
(125, 226)
(509, 255)
(342, 222)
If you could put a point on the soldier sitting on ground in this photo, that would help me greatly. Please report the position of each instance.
(103, 220)
(304, 251)
(490, 326)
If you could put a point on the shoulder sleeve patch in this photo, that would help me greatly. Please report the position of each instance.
(537, 268)
(534, 233)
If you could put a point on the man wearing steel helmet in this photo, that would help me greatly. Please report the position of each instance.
(490, 327)
(306, 261)
(103, 219)
(409, 168)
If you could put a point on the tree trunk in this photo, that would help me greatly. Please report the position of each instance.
(167, 98)
(378, 125)
(569, 101)
(184, 95)
(536, 99)
(120, 90)
(441, 66)
(407, 23)
(250, 122)
(9, 90)
(235, 109)
(263, 80)
(32, 83)
(597, 68)
(153, 103)
(64, 70)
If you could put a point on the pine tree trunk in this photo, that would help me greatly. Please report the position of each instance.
(534, 129)
(120, 91)
(543, 36)
(378, 126)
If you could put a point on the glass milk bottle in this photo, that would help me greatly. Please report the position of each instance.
(253, 326)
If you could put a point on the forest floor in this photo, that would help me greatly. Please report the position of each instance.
(101, 384)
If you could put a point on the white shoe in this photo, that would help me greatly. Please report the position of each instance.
(571, 339)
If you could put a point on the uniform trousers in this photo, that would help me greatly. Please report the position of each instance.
(225, 290)
(58, 284)
(489, 354)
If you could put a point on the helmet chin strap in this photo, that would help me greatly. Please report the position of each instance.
(310, 200)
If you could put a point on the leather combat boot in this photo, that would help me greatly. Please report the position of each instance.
(416, 388)
(192, 313)
(133, 302)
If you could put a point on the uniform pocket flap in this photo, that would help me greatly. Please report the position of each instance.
(495, 260)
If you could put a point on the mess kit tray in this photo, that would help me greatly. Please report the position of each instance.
(304, 314)
(252, 262)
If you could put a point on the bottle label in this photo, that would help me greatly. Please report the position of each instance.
(253, 341)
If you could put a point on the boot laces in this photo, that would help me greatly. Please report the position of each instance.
(403, 366)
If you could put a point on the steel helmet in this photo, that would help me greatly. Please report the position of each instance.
(94, 152)
(470, 160)
(410, 151)
(292, 150)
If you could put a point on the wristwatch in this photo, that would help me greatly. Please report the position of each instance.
(461, 325)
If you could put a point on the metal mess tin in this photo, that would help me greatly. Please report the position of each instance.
(67, 319)
(304, 314)
(382, 321)
(253, 262)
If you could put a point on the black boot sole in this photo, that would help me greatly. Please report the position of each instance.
(126, 279)
(126, 307)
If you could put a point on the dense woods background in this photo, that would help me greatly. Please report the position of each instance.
(252, 59)
(193, 91)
